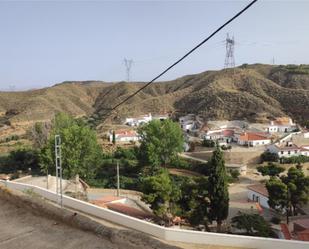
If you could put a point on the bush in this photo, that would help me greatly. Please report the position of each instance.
(294, 159)
(235, 174)
(20, 160)
(269, 157)
(223, 147)
(275, 220)
(208, 143)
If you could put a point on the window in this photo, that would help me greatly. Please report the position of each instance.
(289, 152)
(281, 152)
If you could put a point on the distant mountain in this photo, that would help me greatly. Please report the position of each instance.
(252, 92)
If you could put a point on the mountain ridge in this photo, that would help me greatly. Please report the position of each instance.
(253, 92)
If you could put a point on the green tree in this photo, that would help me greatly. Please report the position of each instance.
(194, 201)
(114, 138)
(81, 153)
(218, 189)
(161, 141)
(277, 192)
(160, 192)
(298, 188)
(271, 169)
(208, 143)
(23, 159)
(288, 192)
(39, 134)
(269, 157)
(253, 224)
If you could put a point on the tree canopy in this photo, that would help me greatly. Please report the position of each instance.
(160, 192)
(161, 141)
(288, 192)
(81, 153)
(253, 224)
(271, 169)
(218, 188)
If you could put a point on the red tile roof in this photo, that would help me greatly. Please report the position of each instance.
(248, 136)
(285, 231)
(134, 212)
(303, 223)
(259, 188)
(303, 235)
(228, 133)
(125, 132)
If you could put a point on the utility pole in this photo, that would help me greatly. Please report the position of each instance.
(229, 55)
(118, 180)
(58, 169)
(128, 65)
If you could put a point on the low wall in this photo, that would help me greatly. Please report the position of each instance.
(168, 234)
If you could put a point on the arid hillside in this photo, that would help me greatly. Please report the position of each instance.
(253, 92)
(75, 98)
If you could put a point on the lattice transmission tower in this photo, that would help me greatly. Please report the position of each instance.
(128, 65)
(229, 56)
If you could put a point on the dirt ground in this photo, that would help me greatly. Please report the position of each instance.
(29, 222)
(21, 229)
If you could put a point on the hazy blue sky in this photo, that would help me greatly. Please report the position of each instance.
(43, 43)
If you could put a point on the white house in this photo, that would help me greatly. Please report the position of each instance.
(288, 149)
(258, 193)
(124, 136)
(225, 135)
(252, 139)
(138, 120)
(188, 122)
(281, 125)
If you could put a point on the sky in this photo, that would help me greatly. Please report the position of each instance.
(47, 42)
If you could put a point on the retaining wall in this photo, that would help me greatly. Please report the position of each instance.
(168, 234)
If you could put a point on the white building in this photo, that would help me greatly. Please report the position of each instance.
(288, 149)
(144, 119)
(124, 136)
(251, 139)
(281, 125)
(224, 135)
(259, 194)
(188, 122)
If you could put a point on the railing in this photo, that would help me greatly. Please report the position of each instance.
(164, 233)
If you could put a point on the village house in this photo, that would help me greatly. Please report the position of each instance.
(259, 194)
(225, 135)
(124, 136)
(144, 119)
(288, 149)
(188, 122)
(252, 139)
(281, 125)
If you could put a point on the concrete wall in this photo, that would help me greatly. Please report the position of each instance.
(169, 234)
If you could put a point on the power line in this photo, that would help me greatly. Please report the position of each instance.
(183, 57)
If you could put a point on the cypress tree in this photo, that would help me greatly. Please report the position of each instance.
(114, 138)
(218, 189)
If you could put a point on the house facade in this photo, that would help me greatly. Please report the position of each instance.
(251, 139)
(288, 149)
(124, 136)
(259, 194)
(281, 125)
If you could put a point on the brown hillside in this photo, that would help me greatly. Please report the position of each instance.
(246, 92)
(249, 92)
